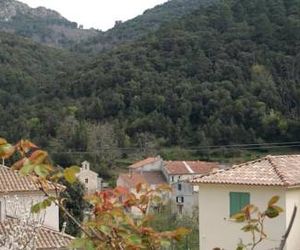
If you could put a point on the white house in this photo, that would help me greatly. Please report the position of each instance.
(17, 195)
(153, 171)
(148, 164)
(184, 197)
(183, 170)
(223, 193)
(89, 178)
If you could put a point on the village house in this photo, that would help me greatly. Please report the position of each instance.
(184, 197)
(154, 171)
(147, 171)
(19, 194)
(89, 178)
(147, 165)
(226, 192)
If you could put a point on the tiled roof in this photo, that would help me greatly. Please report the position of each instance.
(189, 167)
(150, 178)
(11, 181)
(281, 170)
(51, 239)
(144, 162)
(46, 238)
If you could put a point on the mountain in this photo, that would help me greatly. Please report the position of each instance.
(28, 72)
(150, 21)
(227, 73)
(40, 24)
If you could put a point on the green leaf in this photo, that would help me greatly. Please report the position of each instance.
(36, 208)
(279, 209)
(105, 229)
(27, 169)
(165, 243)
(271, 212)
(70, 174)
(273, 200)
(250, 228)
(41, 170)
(83, 243)
(134, 239)
(239, 217)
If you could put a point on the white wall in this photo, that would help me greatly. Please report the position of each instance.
(93, 184)
(25, 201)
(154, 166)
(217, 230)
(190, 198)
(292, 199)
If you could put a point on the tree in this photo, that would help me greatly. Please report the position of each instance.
(110, 225)
(75, 204)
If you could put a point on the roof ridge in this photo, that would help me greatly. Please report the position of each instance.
(230, 168)
(277, 171)
(44, 227)
(286, 155)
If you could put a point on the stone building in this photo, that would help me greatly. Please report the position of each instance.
(89, 178)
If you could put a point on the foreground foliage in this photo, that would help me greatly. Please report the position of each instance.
(254, 221)
(225, 74)
(111, 225)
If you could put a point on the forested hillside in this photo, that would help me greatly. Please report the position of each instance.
(149, 21)
(227, 73)
(28, 72)
(40, 24)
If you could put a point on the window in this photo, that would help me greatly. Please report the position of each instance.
(180, 199)
(238, 201)
(179, 187)
(172, 178)
(86, 181)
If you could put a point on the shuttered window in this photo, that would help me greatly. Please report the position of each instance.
(238, 201)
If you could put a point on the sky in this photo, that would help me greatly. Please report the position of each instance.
(99, 14)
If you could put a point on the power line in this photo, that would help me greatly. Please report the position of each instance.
(252, 146)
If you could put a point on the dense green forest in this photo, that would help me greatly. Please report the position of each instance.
(227, 73)
(138, 27)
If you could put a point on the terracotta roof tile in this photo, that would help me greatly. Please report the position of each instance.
(190, 167)
(144, 162)
(281, 170)
(11, 181)
(46, 238)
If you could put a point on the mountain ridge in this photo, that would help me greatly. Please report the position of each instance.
(10, 8)
(42, 25)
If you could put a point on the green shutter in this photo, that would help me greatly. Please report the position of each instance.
(244, 199)
(234, 203)
(238, 201)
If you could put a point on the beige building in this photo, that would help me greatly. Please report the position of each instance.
(154, 171)
(147, 165)
(17, 195)
(89, 178)
(147, 172)
(226, 192)
(184, 197)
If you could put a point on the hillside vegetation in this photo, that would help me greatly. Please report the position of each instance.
(150, 21)
(224, 74)
(40, 24)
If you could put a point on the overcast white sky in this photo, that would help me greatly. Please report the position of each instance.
(100, 14)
